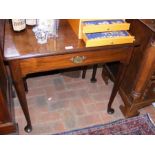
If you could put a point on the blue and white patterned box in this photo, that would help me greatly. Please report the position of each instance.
(101, 35)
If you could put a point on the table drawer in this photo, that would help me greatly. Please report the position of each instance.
(47, 63)
(104, 25)
(107, 38)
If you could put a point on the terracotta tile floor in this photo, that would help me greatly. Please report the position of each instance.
(60, 103)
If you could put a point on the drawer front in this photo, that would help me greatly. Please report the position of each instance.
(39, 64)
(98, 40)
(104, 25)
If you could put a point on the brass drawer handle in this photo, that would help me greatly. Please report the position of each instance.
(78, 59)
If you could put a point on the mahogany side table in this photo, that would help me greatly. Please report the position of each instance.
(24, 56)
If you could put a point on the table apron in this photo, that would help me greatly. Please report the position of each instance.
(46, 63)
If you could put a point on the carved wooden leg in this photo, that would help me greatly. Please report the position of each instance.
(19, 86)
(119, 78)
(93, 79)
(84, 72)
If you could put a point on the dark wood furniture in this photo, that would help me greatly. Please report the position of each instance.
(24, 56)
(138, 87)
(7, 122)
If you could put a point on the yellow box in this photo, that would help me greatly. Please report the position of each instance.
(104, 27)
(107, 41)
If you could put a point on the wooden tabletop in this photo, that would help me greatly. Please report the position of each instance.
(24, 44)
(19, 45)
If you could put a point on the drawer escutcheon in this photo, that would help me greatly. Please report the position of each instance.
(78, 59)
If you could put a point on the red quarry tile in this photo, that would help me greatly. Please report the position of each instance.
(69, 119)
(35, 92)
(100, 97)
(46, 117)
(49, 91)
(76, 85)
(58, 105)
(101, 106)
(77, 107)
(89, 120)
(57, 127)
(45, 128)
(58, 84)
(68, 94)
(92, 88)
(85, 96)
(68, 79)
(90, 108)
(35, 109)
